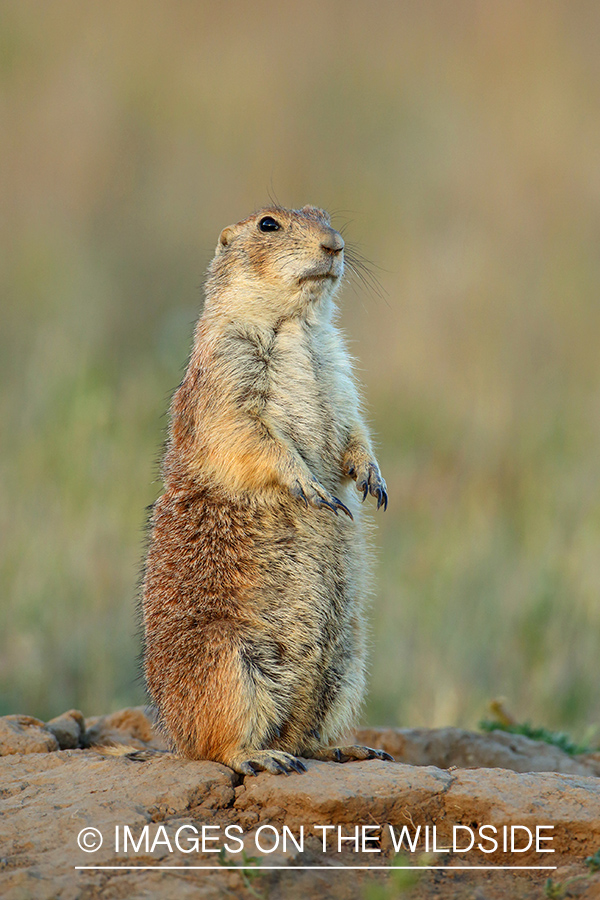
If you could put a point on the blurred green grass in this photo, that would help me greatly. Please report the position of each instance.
(460, 145)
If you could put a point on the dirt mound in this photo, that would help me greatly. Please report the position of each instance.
(149, 809)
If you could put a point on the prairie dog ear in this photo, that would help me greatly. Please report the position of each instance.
(225, 238)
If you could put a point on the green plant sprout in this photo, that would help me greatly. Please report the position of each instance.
(400, 881)
(556, 890)
(247, 869)
(557, 738)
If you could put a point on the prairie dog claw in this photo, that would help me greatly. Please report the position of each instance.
(315, 495)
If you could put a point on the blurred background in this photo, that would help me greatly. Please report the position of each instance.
(460, 145)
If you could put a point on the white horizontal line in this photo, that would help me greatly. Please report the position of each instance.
(292, 867)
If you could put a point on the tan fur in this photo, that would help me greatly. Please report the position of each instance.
(254, 585)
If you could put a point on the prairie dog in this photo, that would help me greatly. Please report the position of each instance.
(258, 565)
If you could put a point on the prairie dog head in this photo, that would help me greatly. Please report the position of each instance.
(276, 263)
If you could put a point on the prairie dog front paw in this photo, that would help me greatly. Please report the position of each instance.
(368, 478)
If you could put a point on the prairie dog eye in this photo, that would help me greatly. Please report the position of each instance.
(268, 224)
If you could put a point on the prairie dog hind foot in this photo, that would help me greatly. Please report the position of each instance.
(251, 762)
(354, 753)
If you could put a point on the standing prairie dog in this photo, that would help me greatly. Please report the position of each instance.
(254, 584)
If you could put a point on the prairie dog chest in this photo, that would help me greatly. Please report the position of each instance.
(305, 389)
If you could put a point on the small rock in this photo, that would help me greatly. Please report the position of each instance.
(67, 729)
(133, 726)
(24, 734)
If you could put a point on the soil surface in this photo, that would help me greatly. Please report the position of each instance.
(451, 802)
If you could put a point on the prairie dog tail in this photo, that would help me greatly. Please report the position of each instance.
(128, 751)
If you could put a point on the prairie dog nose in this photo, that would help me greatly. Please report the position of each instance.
(332, 241)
